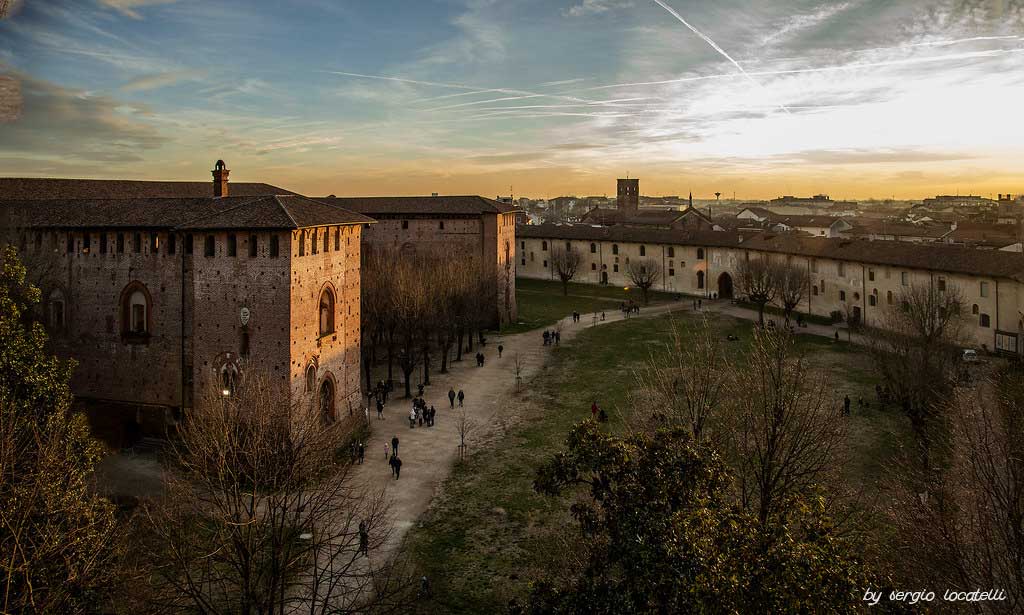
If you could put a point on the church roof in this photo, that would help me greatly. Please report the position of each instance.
(413, 205)
(231, 212)
(25, 188)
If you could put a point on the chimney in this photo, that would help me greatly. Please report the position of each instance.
(220, 179)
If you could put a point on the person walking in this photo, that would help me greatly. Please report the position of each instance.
(500, 349)
(362, 452)
(462, 397)
(394, 445)
(430, 415)
(451, 397)
(412, 418)
(558, 337)
(387, 453)
(398, 467)
(593, 410)
(380, 410)
(546, 337)
(391, 462)
(846, 405)
(364, 539)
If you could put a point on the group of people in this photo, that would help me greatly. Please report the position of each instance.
(552, 337)
(479, 359)
(421, 414)
(452, 397)
(358, 452)
(629, 307)
(598, 413)
(394, 460)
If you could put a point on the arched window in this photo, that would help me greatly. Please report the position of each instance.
(873, 298)
(543, 246)
(326, 312)
(671, 252)
(975, 310)
(842, 295)
(615, 248)
(310, 378)
(700, 254)
(593, 248)
(136, 313)
(984, 321)
(643, 250)
(327, 401)
(56, 311)
(228, 380)
(856, 296)
(814, 290)
(700, 279)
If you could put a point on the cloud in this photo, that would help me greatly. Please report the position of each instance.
(799, 23)
(596, 7)
(59, 123)
(127, 7)
(507, 158)
(864, 156)
(161, 80)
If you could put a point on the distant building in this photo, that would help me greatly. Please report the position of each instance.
(628, 195)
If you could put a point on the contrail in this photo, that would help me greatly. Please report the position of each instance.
(714, 46)
(970, 55)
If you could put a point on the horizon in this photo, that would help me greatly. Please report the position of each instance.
(859, 99)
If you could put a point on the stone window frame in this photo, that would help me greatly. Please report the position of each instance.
(327, 291)
(130, 334)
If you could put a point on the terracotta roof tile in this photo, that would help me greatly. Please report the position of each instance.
(25, 188)
(412, 205)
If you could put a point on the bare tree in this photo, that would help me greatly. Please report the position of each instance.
(963, 527)
(565, 262)
(260, 517)
(465, 426)
(784, 433)
(757, 280)
(913, 349)
(644, 274)
(792, 287)
(687, 386)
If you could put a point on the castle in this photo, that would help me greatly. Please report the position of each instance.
(165, 291)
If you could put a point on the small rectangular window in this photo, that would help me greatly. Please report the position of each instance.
(545, 264)
(522, 245)
(189, 244)
(984, 289)
(232, 245)
(871, 275)
(671, 252)
(137, 243)
(210, 246)
(671, 273)
(405, 224)
(70, 243)
(275, 246)
(904, 278)
(154, 243)
(103, 243)
(441, 225)
(172, 243)
(615, 268)
(254, 247)
(120, 243)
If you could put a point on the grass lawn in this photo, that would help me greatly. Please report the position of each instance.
(541, 302)
(488, 535)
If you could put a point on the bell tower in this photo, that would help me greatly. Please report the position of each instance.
(629, 195)
(220, 179)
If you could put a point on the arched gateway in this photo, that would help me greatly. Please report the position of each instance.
(725, 286)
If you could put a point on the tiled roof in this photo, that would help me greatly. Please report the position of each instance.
(412, 205)
(805, 220)
(899, 229)
(587, 232)
(25, 188)
(931, 256)
(240, 212)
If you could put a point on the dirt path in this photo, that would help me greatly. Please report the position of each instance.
(428, 453)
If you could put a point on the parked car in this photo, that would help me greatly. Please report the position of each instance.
(969, 355)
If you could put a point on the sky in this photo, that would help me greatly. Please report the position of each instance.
(540, 98)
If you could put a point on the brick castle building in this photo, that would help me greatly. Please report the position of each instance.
(458, 226)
